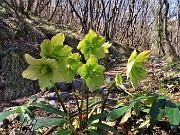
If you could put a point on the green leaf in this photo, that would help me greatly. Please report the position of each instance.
(172, 113)
(105, 127)
(116, 113)
(63, 132)
(96, 132)
(3, 115)
(49, 108)
(137, 107)
(96, 117)
(149, 100)
(118, 79)
(145, 109)
(157, 110)
(178, 105)
(31, 100)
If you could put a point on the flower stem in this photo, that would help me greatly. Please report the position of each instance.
(87, 105)
(73, 89)
(109, 90)
(59, 99)
(81, 107)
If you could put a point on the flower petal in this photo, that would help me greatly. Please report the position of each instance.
(32, 61)
(44, 82)
(32, 72)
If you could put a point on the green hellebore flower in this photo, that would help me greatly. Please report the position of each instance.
(54, 49)
(73, 63)
(43, 70)
(135, 68)
(93, 44)
(92, 73)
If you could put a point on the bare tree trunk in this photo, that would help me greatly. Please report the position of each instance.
(171, 50)
(57, 3)
(178, 27)
(160, 27)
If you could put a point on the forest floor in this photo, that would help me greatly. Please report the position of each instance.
(160, 76)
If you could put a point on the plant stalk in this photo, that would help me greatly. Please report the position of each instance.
(81, 106)
(87, 105)
(59, 99)
(109, 90)
(73, 89)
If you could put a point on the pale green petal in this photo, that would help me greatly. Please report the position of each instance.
(129, 67)
(91, 34)
(32, 73)
(57, 77)
(106, 46)
(45, 48)
(44, 82)
(32, 61)
(92, 60)
(90, 84)
(82, 71)
(133, 56)
(58, 39)
(82, 45)
(143, 56)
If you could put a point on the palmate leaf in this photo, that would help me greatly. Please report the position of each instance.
(116, 113)
(157, 110)
(49, 108)
(39, 122)
(135, 69)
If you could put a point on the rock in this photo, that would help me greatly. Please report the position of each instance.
(41, 100)
(78, 84)
(63, 86)
(53, 103)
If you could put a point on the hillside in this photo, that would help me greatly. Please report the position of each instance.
(19, 37)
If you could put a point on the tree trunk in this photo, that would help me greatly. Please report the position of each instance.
(170, 48)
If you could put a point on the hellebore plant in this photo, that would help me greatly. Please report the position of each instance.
(59, 64)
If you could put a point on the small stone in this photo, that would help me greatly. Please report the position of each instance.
(40, 100)
(53, 103)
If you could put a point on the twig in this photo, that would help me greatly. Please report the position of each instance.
(51, 129)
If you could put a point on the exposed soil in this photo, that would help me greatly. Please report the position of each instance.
(151, 84)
